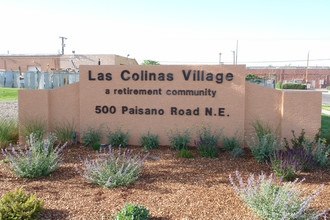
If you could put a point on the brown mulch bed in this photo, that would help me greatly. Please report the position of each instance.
(170, 187)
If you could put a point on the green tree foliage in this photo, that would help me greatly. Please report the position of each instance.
(150, 62)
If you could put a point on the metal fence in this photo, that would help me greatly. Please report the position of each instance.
(36, 79)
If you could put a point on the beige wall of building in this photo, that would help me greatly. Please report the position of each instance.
(243, 101)
(49, 62)
(24, 62)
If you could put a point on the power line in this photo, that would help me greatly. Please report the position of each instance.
(243, 62)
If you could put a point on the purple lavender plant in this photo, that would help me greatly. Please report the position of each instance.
(288, 164)
(38, 158)
(111, 168)
(207, 146)
(275, 201)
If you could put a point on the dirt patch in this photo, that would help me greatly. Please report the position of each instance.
(170, 187)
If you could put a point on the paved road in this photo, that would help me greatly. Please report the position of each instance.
(326, 98)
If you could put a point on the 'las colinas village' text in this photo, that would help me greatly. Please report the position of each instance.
(145, 76)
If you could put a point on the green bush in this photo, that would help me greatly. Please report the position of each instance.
(275, 201)
(264, 148)
(237, 152)
(261, 128)
(39, 159)
(8, 132)
(328, 87)
(91, 136)
(179, 140)
(113, 168)
(185, 153)
(133, 212)
(117, 138)
(64, 132)
(293, 86)
(278, 85)
(149, 141)
(207, 142)
(230, 143)
(18, 206)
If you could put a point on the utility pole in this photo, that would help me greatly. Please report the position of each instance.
(219, 58)
(236, 52)
(307, 69)
(63, 44)
(233, 57)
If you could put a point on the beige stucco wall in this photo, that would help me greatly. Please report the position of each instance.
(32, 105)
(284, 110)
(243, 103)
(301, 109)
(56, 106)
(230, 95)
(64, 106)
(264, 104)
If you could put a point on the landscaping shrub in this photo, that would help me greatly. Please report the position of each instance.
(262, 129)
(237, 152)
(288, 164)
(264, 148)
(64, 132)
(18, 205)
(275, 201)
(133, 212)
(328, 87)
(38, 159)
(112, 169)
(293, 86)
(317, 149)
(35, 126)
(8, 132)
(117, 138)
(149, 141)
(185, 153)
(91, 136)
(179, 140)
(321, 153)
(207, 143)
(278, 85)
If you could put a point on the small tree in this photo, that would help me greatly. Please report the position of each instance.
(150, 62)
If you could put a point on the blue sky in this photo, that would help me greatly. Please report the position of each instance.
(172, 32)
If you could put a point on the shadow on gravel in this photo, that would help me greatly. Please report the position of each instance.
(53, 214)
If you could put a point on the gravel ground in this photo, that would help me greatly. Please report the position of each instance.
(9, 109)
(170, 187)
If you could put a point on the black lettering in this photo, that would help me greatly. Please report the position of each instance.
(219, 77)
(107, 91)
(161, 76)
(98, 109)
(221, 112)
(90, 75)
(108, 76)
(208, 111)
(122, 75)
(186, 75)
(100, 76)
(229, 76)
(124, 109)
(174, 111)
(169, 76)
(209, 77)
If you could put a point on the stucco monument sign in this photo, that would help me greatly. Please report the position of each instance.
(156, 98)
